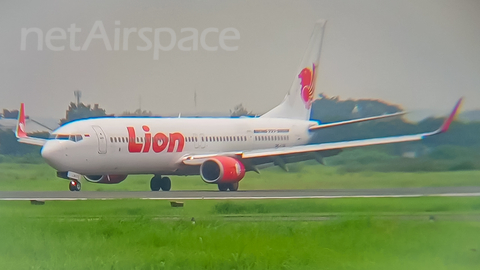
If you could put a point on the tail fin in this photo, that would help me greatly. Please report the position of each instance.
(298, 101)
(21, 132)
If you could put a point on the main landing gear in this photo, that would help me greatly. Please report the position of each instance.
(158, 182)
(228, 186)
(75, 185)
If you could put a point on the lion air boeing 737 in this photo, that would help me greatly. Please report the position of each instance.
(220, 150)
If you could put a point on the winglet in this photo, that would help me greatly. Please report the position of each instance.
(449, 120)
(20, 132)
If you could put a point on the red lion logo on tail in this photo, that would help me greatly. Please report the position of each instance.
(307, 77)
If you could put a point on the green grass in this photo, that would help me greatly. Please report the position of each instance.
(363, 233)
(42, 177)
(209, 208)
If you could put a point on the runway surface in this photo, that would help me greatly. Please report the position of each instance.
(244, 194)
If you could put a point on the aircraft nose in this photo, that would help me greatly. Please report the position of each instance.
(53, 154)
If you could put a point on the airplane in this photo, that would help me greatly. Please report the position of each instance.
(221, 150)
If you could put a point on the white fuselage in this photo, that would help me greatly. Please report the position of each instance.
(138, 145)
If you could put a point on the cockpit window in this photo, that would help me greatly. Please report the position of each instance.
(73, 137)
(62, 137)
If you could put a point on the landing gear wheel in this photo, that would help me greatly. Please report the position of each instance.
(75, 185)
(155, 183)
(233, 186)
(165, 184)
(223, 187)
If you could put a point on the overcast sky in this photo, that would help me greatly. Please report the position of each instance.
(423, 55)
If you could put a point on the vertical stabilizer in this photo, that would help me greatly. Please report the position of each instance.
(20, 131)
(298, 101)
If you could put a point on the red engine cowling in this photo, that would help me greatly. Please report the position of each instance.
(105, 179)
(222, 170)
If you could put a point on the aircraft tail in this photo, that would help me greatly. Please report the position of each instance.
(21, 133)
(298, 101)
(20, 130)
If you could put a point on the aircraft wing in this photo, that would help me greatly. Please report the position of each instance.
(20, 132)
(277, 153)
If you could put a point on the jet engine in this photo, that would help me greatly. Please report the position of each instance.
(105, 179)
(222, 169)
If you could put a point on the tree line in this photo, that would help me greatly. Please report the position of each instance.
(325, 110)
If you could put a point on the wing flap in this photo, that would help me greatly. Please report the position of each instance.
(33, 141)
(330, 146)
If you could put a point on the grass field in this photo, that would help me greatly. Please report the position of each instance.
(359, 233)
(349, 233)
(42, 177)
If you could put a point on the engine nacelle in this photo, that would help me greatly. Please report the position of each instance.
(105, 179)
(222, 170)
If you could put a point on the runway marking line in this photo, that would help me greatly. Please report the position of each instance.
(256, 198)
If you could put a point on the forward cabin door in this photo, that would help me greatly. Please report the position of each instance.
(196, 143)
(102, 140)
(203, 140)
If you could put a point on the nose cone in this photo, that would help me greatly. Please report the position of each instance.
(54, 154)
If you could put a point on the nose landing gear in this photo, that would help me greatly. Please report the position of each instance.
(158, 182)
(75, 185)
(74, 178)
